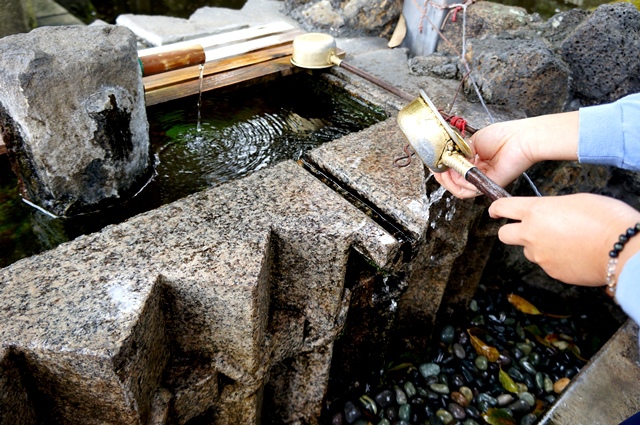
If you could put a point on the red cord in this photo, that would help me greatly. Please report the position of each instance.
(455, 13)
(458, 122)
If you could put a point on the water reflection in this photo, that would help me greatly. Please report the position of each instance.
(248, 130)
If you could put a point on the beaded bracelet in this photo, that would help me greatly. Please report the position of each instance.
(613, 258)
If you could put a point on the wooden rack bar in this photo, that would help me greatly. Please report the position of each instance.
(225, 66)
(280, 66)
(224, 39)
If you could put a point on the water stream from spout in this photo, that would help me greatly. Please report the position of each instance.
(198, 123)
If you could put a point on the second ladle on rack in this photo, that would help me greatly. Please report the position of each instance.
(317, 51)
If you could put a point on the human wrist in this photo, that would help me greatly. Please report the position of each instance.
(552, 137)
(625, 247)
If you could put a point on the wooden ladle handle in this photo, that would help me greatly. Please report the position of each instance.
(485, 184)
(375, 80)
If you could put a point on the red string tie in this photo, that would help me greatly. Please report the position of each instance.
(455, 13)
(458, 122)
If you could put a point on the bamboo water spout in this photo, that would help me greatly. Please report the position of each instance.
(173, 59)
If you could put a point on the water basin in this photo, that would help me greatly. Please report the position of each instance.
(239, 131)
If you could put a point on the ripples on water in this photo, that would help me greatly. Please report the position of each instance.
(238, 132)
(248, 130)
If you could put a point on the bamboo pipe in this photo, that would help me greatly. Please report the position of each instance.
(174, 59)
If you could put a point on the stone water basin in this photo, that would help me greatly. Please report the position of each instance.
(230, 135)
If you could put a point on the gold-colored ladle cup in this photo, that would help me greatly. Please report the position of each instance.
(317, 51)
(440, 147)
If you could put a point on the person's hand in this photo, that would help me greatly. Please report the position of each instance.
(568, 236)
(503, 151)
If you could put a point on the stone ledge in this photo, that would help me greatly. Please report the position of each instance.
(163, 30)
(109, 311)
(606, 391)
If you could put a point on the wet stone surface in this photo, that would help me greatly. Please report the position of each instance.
(506, 361)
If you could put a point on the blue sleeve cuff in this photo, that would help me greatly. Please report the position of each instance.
(628, 289)
(610, 133)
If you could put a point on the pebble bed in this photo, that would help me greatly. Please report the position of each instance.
(505, 362)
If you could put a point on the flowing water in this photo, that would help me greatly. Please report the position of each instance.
(199, 106)
(230, 135)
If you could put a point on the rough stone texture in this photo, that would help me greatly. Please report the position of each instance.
(73, 116)
(257, 12)
(603, 54)
(521, 74)
(17, 406)
(17, 17)
(512, 65)
(574, 59)
(364, 161)
(346, 17)
(483, 19)
(100, 351)
(163, 30)
(606, 390)
(560, 26)
(435, 65)
(194, 282)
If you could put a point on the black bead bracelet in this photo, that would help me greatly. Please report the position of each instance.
(613, 258)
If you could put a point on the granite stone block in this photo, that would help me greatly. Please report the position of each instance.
(16, 406)
(101, 320)
(73, 117)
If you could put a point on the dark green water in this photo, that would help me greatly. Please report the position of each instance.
(241, 131)
(548, 8)
(109, 10)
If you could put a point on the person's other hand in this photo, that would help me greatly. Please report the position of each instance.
(568, 236)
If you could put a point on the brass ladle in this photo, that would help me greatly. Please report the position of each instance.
(440, 147)
(317, 51)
